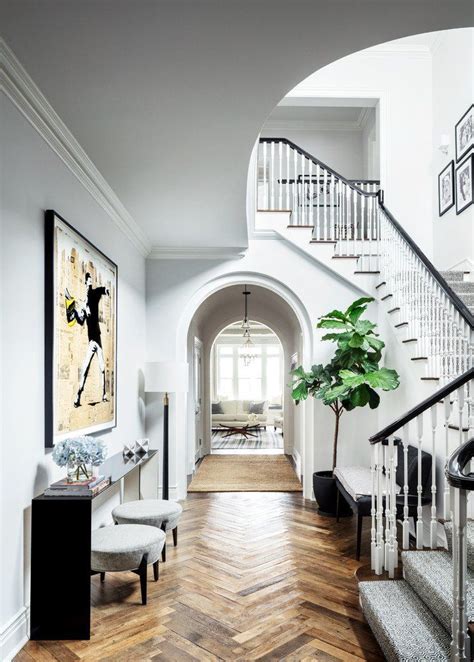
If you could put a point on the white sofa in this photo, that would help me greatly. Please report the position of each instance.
(237, 411)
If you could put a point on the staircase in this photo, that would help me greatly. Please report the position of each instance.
(347, 228)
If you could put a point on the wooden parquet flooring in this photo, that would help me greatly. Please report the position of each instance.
(256, 576)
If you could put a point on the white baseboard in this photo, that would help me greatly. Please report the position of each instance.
(297, 460)
(14, 634)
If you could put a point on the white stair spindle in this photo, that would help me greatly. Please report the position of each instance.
(272, 175)
(318, 203)
(406, 521)
(379, 504)
(460, 394)
(419, 487)
(373, 529)
(434, 520)
(287, 176)
(325, 203)
(265, 183)
(393, 499)
(447, 416)
(295, 188)
(280, 168)
(303, 192)
(311, 196)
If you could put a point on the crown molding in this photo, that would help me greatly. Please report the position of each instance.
(20, 88)
(305, 125)
(196, 253)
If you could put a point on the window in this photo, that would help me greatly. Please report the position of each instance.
(261, 380)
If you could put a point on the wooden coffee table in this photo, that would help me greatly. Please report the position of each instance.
(247, 430)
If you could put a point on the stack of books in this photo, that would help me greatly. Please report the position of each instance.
(89, 488)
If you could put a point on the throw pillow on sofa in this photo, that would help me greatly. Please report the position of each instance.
(256, 407)
(217, 408)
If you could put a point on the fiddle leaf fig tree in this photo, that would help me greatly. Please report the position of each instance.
(353, 375)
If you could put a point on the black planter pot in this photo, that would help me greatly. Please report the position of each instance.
(325, 493)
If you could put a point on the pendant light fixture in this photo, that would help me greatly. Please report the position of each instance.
(248, 352)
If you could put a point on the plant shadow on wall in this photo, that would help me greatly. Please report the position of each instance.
(349, 380)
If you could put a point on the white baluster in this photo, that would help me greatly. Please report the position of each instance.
(380, 540)
(280, 185)
(434, 520)
(447, 416)
(287, 176)
(373, 529)
(393, 499)
(272, 175)
(295, 187)
(325, 202)
(311, 195)
(303, 192)
(406, 521)
(318, 202)
(460, 393)
(419, 487)
(265, 183)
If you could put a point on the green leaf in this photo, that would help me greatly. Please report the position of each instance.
(298, 372)
(331, 324)
(374, 399)
(376, 343)
(386, 379)
(359, 397)
(364, 326)
(358, 303)
(336, 314)
(356, 340)
(299, 392)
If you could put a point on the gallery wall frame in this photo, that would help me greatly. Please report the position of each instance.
(446, 189)
(464, 184)
(464, 134)
(81, 306)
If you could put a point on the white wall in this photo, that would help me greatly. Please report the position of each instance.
(453, 93)
(35, 179)
(341, 150)
(401, 80)
(179, 287)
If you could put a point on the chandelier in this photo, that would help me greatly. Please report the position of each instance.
(247, 353)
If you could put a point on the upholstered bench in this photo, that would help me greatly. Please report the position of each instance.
(153, 512)
(127, 548)
(354, 484)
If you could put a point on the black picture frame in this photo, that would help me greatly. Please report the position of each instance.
(469, 193)
(448, 169)
(462, 150)
(53, 220)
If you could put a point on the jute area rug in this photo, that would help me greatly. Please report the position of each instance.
(245, 473)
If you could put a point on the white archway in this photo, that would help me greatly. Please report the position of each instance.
(180, 427)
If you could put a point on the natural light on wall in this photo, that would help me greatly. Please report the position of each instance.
(262, 379)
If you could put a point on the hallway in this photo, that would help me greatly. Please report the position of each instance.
(255, 576)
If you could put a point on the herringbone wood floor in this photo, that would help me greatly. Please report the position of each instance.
(256, 576)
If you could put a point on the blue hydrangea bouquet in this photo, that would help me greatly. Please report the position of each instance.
(80, 455)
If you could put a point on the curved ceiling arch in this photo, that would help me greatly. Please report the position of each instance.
(167, 98)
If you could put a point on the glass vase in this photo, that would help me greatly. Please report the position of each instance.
(79, 473)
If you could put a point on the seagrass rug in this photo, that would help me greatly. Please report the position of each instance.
(245, 473)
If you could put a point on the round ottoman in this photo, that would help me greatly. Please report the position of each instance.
(127, 548)
(153, 512)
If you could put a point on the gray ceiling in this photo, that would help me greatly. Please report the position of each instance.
(167, 97)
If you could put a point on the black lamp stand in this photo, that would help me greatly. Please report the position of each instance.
(165, 488)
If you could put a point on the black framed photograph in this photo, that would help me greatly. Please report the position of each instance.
(465, 134)
(464, 184)
(446, 188)
(81, 334)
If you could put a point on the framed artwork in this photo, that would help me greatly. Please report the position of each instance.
(446, 188)
(80, 334)
(465, 134)
(464, 184)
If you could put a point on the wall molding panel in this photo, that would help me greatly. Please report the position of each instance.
(20, 88)
(14, 634)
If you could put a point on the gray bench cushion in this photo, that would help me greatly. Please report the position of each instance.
(357, 481)
(148, 511)
(119, 548)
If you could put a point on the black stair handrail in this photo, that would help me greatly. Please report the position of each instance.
(460, 306)
(456, 465)
(311, 157)
(442, 393)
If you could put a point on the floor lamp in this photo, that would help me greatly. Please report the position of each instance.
(166, 377)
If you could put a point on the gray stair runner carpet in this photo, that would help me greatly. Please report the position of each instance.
(402, 624)
(448, 528)
(430, 575)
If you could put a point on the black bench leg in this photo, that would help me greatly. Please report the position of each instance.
(359, 536)
(175, 536)
(156, 570)
(338, 498)
(163, 552)
(142, 571)
(102, 576)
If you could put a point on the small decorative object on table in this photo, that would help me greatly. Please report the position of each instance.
(142, 446)
(80, 455)
(129, 448)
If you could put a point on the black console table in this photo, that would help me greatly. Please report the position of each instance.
(61, 549)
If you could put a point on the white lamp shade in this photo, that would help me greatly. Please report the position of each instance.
(166, 377)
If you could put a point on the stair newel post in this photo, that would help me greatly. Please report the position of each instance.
(280, 183)
(460, 644)
(447, 416)
(373, 529)
(434, 520)
(419, 487)
(295, 188)
(379, 504)
(406, 521)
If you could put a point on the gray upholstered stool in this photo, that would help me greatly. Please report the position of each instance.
(153, 512)
(121, 548)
